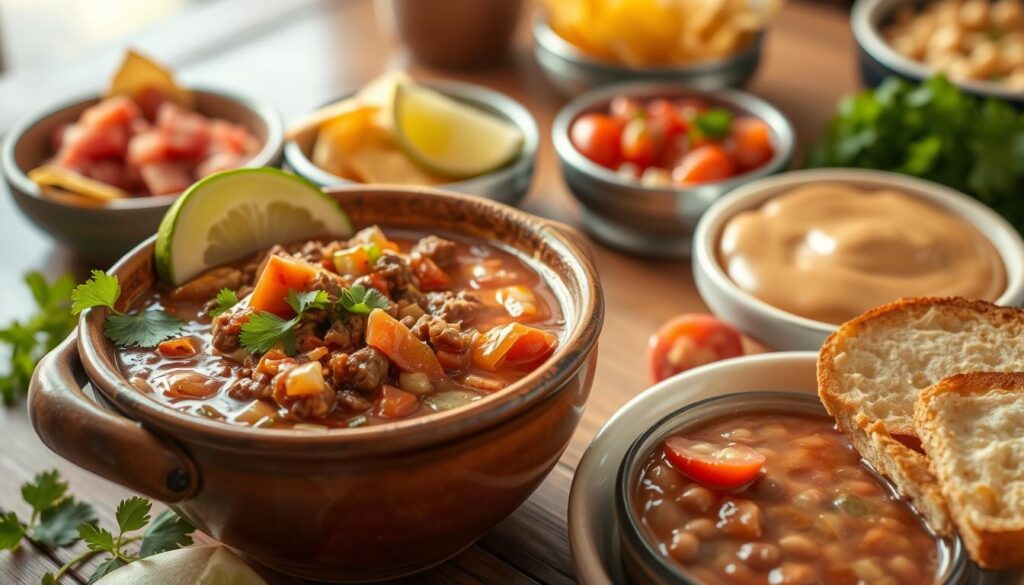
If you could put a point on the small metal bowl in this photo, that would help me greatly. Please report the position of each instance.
(878, 60)
(654, 221)
(507, 184)
(106, 231)
(642, 562)
(573, 72)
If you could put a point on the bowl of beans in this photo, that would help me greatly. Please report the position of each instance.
(762, 488)
(978, 44)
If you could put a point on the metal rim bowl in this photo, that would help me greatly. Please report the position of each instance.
(508, 184)
(105, 232)
(572, 71)
(655, 221)
(879, 60)
(782, 330)
(641, 560)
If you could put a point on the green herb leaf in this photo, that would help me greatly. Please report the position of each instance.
(96, 538)
(265, 330)
(300, 302)
(715, 123)
(58, 526)
(11, 531)
(49, 579)
(168, 531)
(44, 491)
(133, 513)
(361, 300)
(226, 299)
(102, 290)
(105, 568)
(144, 329)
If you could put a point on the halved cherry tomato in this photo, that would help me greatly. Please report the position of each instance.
(638, 143)
(718, 467)
(709, 162)
(751, 142)
(597, 137)
(666, 119)
(625, 108)
(395, 403)
(688, 341)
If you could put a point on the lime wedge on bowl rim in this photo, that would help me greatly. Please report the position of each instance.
(232, 214)
(449, 137)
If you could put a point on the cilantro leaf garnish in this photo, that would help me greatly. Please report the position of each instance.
(715, 122)
(133, 513)
(226, 298)
(301, 302)
(143, 329)
(45, 490)
(96, 538)
(29, 340)
(58, 525)
(265, 330)
(11, 531)
(361, 300)
(167, 531)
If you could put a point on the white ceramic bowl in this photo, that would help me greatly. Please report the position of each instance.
(593, 530)
(782, 330)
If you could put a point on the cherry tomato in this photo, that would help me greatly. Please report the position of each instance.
(666, 119)
(751, 142)
(708, 162)
(718, 467)
(597, 137)
(688, 341)
(625, 108)
(638, 143)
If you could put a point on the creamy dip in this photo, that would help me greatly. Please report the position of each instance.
(831, 251)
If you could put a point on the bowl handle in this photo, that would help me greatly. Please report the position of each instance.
(117, 448)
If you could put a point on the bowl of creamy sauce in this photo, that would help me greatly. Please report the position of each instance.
(789, 258)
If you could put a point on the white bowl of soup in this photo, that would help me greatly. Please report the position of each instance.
(788, 258)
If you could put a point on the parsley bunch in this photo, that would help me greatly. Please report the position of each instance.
(28, 341)
(934, 131)
(58, 520)
(143, 329)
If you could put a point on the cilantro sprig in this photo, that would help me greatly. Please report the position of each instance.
(29, 340)
(226, 298)
(361, 300)
(265, 330)
(58, 520)
(143, 329)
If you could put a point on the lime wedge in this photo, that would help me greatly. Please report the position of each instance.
(193, 565)
(451, 138)
(224, 568)
(232, 214)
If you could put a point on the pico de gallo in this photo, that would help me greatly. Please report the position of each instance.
(346, 333)
(665, 142)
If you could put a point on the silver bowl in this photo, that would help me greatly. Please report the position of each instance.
(507, 184)
(573, 72)
(105, 232)
(878, 60)
(655, 221)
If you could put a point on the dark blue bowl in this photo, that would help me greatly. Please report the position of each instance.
(877, 60)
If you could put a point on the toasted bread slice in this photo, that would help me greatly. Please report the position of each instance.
(971, 426)
(872, 368)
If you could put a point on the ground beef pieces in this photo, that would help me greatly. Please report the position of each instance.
(394, 270)
(227, 327)
(306, 406)
(367, 369)
(451, 344)
(453, 307)
(440, 250)
(347, 332)
(251, 385)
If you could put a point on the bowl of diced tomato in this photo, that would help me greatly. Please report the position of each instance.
(98, 174)
(647, 159)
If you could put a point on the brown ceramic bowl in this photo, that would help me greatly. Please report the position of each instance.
(348, 504)
(104, 232)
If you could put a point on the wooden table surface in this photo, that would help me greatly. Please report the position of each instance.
(297, 55)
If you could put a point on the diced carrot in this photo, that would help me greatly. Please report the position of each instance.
(430, 275)
(395, 403)
(518, 300)
(178, 347)
(402, 347)
(513, 344)
(304, 380)
(280, 275)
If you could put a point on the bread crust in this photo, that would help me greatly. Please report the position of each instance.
(883, 447)
(993, 543)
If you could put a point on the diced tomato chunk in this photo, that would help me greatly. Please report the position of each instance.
(116, 111)
(165, 178)
(150, 99)
(513, 344)
(402, 347)
(430, 275)
(188, 133)
(108, 171)
(279, 275)
(217, 162)
(395, 403)
(147, 148)
(82, 143)
(751, 142)
(232, 138)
